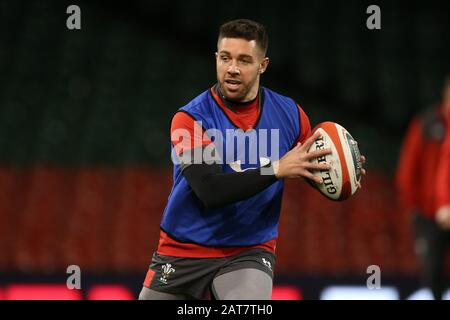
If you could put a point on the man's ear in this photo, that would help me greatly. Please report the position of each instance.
(263, 65)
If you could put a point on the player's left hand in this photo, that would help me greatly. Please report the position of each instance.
(363, 171)
(443, 217)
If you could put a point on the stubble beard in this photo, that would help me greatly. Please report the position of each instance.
(246, 88)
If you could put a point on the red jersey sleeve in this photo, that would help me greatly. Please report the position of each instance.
(408, 165)
(186, 133)
(305, 126)
(443, 173)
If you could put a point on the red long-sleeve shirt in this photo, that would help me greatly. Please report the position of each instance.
(443, 175)
(419, 158)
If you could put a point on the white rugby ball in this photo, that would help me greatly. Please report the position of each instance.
(339, 182)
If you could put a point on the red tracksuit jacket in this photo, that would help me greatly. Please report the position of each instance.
(420, 157)
(443, 175)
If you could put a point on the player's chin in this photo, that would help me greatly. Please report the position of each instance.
(233, 95)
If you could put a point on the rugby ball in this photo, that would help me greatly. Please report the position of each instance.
(339, 182)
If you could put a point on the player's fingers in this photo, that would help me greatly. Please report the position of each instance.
(296, 147)
(363, 172)
(317, 166)
(317, 153)
(311, 140)
(312, 177)
(363, 159)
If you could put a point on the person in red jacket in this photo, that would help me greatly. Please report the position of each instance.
(443, 183)
(417, 173)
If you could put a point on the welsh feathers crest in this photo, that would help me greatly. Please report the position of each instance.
(167, 270)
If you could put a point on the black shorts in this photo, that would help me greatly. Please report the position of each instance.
(193, 276)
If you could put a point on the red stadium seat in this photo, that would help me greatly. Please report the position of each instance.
(41, 292)
(110, 292)
(287, 292)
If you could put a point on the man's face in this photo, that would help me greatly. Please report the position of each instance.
(239, 63)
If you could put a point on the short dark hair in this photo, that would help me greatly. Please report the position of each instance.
(245, 29)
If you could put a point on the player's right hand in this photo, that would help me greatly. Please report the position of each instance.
(297, 162)
(443, 217)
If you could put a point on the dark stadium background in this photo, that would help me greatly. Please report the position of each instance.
(84, 133)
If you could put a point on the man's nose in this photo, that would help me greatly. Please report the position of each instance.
(233, 69)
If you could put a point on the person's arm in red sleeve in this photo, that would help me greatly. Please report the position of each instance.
(186, 133)
(443, 184)
(305, 126)
(408, 165)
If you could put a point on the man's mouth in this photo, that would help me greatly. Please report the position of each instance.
(232, 84)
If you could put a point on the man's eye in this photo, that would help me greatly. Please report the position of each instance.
(224, 58)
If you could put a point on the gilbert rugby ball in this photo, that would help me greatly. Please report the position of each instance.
(339, 182)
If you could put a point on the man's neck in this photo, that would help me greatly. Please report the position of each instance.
(251, 96)
(233, 105)
(244, 101)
